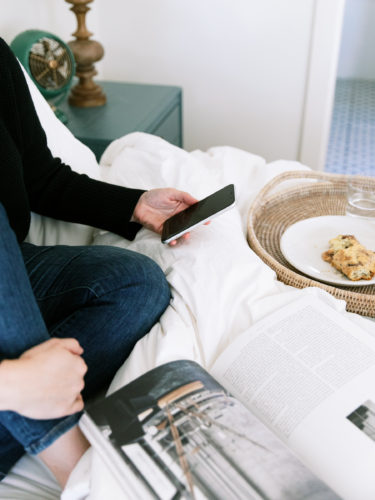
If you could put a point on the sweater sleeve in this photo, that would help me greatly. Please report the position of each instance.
(54, 189)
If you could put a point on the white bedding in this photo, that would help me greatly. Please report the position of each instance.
(219, 286)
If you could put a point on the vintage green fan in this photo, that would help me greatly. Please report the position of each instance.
(49, 62)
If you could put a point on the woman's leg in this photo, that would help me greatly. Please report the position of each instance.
(21, 324)
(106, 297)
(64, 453)
(21, 327)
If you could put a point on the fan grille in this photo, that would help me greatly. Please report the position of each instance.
(50, 64)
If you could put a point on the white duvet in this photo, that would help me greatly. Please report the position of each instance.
(219, 286)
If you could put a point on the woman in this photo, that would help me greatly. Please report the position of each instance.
(69, 316)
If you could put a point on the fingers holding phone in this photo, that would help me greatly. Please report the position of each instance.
(201, 212)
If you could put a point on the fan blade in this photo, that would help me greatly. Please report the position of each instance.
(38, 58)
(54, 76)
(63, 71)
(43, 73)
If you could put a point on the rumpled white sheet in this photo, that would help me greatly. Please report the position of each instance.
(219, 286)
(216, 280)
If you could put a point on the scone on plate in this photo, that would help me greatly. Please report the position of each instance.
(346, 254)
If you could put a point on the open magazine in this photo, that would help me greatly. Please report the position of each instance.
(299, 383)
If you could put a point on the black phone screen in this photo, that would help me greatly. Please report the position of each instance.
(198, 213)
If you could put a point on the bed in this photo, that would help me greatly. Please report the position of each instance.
(219, 286)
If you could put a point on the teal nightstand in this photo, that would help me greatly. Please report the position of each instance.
(131, 107)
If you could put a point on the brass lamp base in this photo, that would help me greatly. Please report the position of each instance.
(85, 97)
(86, 93)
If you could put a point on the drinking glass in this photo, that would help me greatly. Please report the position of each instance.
(360, 199)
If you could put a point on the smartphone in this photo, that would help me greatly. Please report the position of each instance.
(199, 213)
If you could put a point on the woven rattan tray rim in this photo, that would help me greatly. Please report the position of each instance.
(361, 303)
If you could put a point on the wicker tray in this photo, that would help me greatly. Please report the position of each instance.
(291, 197)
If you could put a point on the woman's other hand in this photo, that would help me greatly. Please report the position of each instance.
(46, 381)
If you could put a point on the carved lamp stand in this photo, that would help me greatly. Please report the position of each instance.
(86, 52)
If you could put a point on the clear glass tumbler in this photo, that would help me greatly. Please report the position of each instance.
(360, 199)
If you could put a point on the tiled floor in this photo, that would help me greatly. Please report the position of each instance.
(351, 147)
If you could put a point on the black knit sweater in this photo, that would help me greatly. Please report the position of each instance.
(31, 179)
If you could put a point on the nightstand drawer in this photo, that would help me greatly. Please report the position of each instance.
(170, 128)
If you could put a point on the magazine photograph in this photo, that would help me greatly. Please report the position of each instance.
(180, 434)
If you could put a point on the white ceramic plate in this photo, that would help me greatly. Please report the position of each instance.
(303, 243)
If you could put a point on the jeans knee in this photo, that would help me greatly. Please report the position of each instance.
(157, 284)
(153, 294)
(153, 290)
(132, 273)
(138, 291)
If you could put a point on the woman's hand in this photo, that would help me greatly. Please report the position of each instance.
(46, 381)
(154, 207)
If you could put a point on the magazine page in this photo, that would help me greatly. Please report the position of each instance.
(182, 435)
(308, 373)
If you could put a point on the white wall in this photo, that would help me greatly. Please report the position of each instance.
(357, 55)
(49, 15)
(243, 64)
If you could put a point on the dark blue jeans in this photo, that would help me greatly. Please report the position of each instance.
(105, 297)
